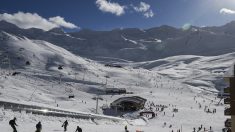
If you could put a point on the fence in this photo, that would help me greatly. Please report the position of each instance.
(46, 111)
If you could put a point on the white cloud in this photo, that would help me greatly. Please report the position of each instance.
(145, 9)
(227, 11)
(149, 14)
(59, 21)
(33, 20)
(110, 7)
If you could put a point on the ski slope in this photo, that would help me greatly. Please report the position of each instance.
(182, 82)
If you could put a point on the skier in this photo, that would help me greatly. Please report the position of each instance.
(65, 124)
(126, 129)
(39, 127)
(164, 124)
(79, 129)
(13, 124)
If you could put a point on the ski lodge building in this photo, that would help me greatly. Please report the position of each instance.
(229, 100)
(128, 103)
(115, 91)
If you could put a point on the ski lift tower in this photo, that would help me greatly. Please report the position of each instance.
(106, 79)
(9, 63)
(97, 98)
(230, 100)
(84, 73)
(60, 78)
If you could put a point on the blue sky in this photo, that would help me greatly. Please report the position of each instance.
(110, 14)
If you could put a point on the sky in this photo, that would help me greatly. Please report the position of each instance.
(111, 14)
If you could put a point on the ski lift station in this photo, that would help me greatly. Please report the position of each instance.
(128, 103)
(115, 91)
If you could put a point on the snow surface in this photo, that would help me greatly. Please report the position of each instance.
(181, 82)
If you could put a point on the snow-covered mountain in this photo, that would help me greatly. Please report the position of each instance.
(205, 73)
(45, 67)
(135, 44)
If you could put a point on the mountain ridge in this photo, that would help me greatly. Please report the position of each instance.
(133, 44)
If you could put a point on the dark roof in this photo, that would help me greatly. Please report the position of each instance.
(135, 99)
(115, 89)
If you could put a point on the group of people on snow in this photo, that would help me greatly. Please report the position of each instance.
(13, 125)
(201, 128)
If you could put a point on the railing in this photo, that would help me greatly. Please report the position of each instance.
(53, 112)
(228, 123)
(227, 111)
(227, 101)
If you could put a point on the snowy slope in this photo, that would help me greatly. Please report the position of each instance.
(181, 82)
(201, 72)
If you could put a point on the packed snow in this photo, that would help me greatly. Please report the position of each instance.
(187, 83)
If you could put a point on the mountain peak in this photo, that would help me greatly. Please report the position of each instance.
(230, 24)
(7, 25)
(57, 30)
(165, 26)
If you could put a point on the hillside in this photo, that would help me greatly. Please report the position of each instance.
(181, 82)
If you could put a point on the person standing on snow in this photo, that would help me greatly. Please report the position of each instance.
(12, 123)
(126, 129)
(39, 127)
(79, 129)
(65, 124)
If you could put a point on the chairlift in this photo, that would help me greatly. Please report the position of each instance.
(27, 63)
(71, 96)
(70, 91)
(60, 67)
